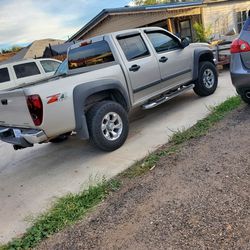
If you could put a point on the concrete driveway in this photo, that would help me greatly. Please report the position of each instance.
(32, 178)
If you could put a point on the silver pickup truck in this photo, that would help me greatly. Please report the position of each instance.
(102, 79)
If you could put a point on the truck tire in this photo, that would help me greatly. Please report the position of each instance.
(108, 125)
(207, 81)
(245, 98)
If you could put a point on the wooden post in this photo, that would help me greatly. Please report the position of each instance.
(169, 23)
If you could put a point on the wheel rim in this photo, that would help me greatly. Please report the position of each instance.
(112, 126)
(208, 78)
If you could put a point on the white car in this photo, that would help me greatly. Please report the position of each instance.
(26, 71)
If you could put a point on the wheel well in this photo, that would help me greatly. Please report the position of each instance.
(113, 94)
(206, 57)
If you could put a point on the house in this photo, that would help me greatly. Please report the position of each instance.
(178, 17)
(34, 50)
(57, 51)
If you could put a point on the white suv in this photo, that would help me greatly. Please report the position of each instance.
(26, 71)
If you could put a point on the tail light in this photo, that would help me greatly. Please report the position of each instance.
(239, 46)
(35, 106)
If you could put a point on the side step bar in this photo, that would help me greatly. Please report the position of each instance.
(168, 96)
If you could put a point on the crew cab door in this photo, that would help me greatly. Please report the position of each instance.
(141, 66)
(175, 62)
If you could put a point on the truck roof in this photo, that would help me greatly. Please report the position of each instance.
(116, 33)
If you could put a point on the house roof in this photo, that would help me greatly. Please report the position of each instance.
(60, 49)
(34, 50)
(130, 9)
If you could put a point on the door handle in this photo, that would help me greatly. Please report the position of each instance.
(134, 68)
(163, 59)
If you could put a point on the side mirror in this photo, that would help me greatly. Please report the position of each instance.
(185, 42)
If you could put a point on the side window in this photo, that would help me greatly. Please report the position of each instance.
(163, 42)
(4, 75)
(26, 69)
(89, 55)
(49, 65)
(133, 47)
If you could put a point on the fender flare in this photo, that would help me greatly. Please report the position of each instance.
(197, 54)
(82, 91)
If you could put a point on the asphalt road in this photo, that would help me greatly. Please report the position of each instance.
(32, 178)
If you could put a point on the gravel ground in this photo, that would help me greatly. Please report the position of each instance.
(198, 198)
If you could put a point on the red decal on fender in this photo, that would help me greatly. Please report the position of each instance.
(53, 98)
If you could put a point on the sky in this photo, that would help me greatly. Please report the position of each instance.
(23, 21)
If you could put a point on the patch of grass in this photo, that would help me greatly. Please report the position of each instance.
(65, 211)
(71, 208)
(179, 137)
(143, 166)
(202, 126)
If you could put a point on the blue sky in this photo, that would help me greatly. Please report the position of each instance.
(23, 21)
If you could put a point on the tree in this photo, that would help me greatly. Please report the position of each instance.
(202, 34)
(14, 48)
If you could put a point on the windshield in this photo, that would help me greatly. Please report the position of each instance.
(62, 69)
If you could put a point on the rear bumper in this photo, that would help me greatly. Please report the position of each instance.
(22, 137)
(239, 74)
(241, 82)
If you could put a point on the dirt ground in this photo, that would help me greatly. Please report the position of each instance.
(198, 198)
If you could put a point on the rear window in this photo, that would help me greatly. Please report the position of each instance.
(89, 55)
(4, 75)
(26, 69)
(247, 25)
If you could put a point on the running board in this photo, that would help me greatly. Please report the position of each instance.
(168, 96)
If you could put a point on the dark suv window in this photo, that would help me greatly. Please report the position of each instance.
(26, 69)
(133, 47)
(89, 55)
(4, 75)
(163, 42)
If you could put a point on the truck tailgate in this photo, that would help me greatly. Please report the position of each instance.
(14, 111)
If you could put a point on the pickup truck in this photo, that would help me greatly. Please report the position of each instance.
(102, 79)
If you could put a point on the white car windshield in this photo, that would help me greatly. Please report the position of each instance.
(62, 69)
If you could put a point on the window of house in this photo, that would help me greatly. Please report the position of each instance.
(185, 27)
(241, 19)
(49, 65)
(89, 55)
(4, 75)
(162, 42)
(133, 47)
(26, 69)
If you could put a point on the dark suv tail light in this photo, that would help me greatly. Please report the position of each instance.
(35, 106)
(240, 46)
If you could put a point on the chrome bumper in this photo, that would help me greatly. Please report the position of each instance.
(22, 137)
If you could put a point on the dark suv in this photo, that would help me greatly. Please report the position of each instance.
(240, 63)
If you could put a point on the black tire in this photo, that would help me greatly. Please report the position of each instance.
(245, 98)
(201, 88)
(96, 118)
(60, 138)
